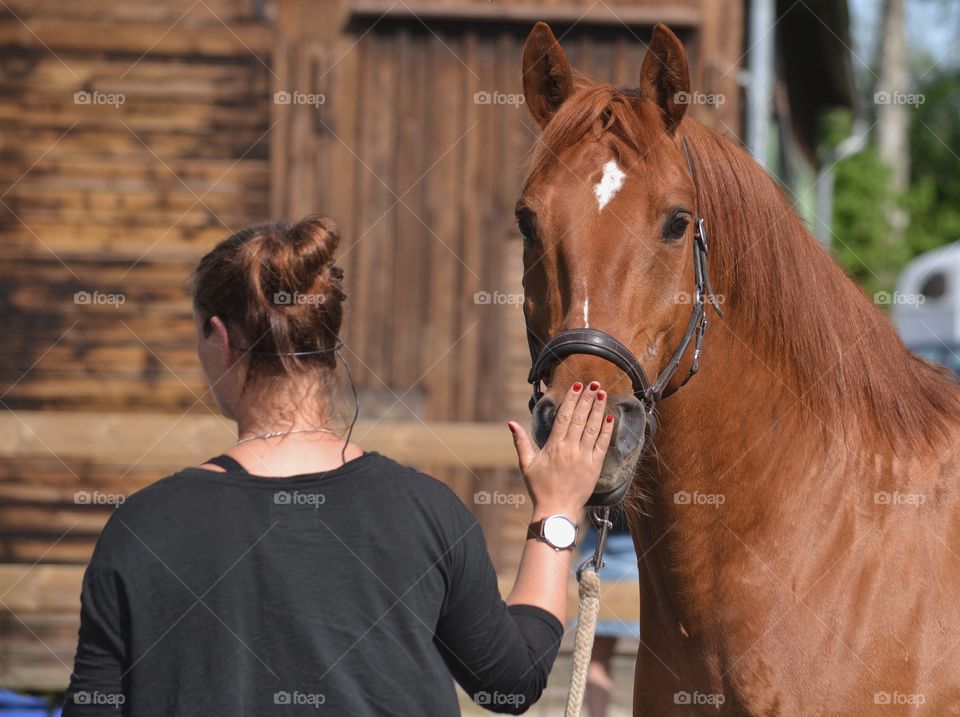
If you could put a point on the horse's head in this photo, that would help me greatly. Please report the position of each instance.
(608, 214)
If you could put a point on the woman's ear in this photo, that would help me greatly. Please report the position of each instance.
(215, 326)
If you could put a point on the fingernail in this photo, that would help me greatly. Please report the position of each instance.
(594, 385)
(577, 387)
(601, 395)
(609, 419)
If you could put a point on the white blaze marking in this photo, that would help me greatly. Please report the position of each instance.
(611, 182)
(586, 306)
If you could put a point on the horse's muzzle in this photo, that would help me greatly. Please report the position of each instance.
(626, 445)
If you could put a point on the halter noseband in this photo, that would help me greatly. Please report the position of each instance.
(593, 342)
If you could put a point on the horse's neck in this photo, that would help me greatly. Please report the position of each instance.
(730, 481)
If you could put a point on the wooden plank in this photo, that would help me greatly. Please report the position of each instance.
(469, 156)
(441, 217)
(410, 281)
(169, 440)
(676, 14)
(105, 35)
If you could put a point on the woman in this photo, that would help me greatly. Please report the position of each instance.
(296, 571)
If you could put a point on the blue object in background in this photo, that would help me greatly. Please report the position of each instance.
(15, 705)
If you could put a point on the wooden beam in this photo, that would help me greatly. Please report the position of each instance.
(213, 38)
(172, 440)
(677, 16)
(41, 588)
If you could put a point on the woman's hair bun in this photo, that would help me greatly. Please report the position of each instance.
(278, 284)
(316, 232)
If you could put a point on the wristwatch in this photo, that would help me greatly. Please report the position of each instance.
(557, 531)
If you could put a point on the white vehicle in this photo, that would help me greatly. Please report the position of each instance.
(926, 305)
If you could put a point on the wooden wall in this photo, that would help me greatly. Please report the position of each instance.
(119, 198)
(423, 179)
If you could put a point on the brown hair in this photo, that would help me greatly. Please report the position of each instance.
(278, 290)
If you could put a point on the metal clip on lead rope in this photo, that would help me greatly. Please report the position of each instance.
(587, 613)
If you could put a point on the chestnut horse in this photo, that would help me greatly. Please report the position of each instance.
(796, 511)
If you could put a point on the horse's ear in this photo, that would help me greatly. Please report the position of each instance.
(665, 76)
(547, 77)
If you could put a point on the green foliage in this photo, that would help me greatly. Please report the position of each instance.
(934, 198)
(861, 228)
(862, 242)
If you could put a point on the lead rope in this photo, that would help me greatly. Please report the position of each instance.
(588, 579)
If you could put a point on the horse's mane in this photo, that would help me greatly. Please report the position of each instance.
(810, 322)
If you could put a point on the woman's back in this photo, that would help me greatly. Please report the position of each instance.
(349, 590)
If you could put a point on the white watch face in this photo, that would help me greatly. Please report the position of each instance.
(560, 532)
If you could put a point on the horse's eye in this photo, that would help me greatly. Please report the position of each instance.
(526, 226)
(676, 227)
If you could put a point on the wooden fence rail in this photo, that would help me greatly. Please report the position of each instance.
(171, 440)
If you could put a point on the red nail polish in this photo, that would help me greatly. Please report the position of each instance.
(594, 385)
(601, 395)
(577, 387)
(609, 419)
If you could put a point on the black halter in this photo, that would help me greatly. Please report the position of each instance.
(598, 343)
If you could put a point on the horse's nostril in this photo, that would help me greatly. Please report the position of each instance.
(544, 414)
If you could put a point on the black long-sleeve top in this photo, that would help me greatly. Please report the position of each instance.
(353, 592)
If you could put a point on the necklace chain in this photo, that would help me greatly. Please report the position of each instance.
(275, 434)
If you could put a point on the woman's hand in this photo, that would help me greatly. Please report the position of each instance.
(561, 477)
